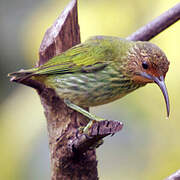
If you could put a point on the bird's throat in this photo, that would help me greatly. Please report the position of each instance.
(141, 80)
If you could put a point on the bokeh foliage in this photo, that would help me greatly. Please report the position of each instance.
(148, 146)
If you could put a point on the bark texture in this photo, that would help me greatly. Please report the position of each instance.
(63, 122)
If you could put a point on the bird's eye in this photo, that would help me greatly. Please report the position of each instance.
(145, 65)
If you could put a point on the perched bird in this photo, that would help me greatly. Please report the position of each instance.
(101, 70)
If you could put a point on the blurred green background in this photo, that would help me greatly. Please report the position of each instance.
(147, 148)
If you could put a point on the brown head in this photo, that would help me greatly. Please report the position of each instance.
(149, 64)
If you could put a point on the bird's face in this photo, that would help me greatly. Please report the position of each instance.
(149, 64)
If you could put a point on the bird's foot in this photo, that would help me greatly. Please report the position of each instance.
(88, 126)
(92, 119)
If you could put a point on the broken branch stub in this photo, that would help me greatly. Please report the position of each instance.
(62, 35)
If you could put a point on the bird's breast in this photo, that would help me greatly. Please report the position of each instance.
(91, 89)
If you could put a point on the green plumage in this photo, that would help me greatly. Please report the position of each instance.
(96, 72)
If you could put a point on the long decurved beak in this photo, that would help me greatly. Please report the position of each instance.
(161, 83)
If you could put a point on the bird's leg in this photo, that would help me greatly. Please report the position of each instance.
(92, 120)
(92, 117)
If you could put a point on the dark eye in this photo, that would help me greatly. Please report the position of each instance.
(145, 65)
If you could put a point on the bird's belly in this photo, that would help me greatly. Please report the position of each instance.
(90, 89)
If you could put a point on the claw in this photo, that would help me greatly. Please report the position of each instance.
(88, 126)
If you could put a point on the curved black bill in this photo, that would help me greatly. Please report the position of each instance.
(160, 82)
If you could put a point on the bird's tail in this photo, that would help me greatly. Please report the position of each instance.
(22, 75)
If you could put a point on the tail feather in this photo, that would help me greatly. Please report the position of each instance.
(21, 75)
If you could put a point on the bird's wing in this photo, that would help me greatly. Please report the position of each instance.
(87, 57)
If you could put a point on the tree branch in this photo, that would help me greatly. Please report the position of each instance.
(98, 131)
(63, 122)
(156, 26)
(174, 176)
(62, 35)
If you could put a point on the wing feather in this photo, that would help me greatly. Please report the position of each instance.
(87, 57)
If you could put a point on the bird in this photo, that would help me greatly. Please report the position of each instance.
(101, 70)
